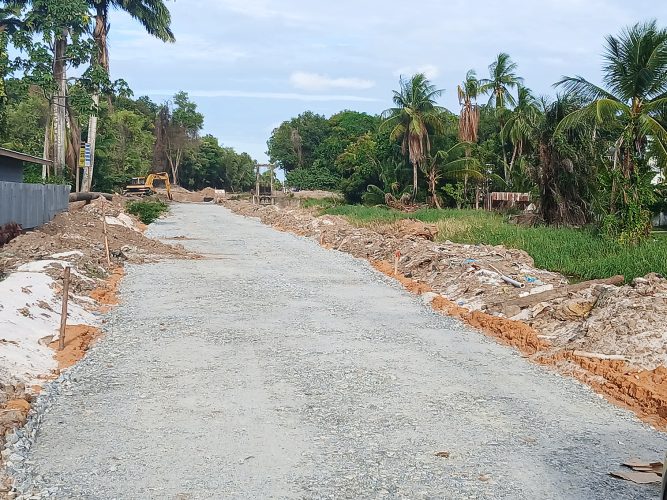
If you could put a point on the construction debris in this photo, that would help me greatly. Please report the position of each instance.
(640, 472)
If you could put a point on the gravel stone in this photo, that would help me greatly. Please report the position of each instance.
(276, 368)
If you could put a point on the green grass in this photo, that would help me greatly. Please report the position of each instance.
(147, 210)
(578, 253)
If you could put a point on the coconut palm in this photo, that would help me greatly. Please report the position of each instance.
(564, 170)
(469, 115)
(635, 76)
(502, 79)
(9, 23)
(450, 164)
(412, 120)
(628, 105)
(153, 15)
(520, 126)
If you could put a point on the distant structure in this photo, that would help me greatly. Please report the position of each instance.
(264, 193)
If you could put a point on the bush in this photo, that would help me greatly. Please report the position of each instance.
(147, 211)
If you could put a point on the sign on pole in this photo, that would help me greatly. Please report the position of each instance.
(84, 155)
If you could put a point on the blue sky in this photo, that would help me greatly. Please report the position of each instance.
(250, 64)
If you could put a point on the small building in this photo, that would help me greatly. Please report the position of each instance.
(11, 164)
(28, 205)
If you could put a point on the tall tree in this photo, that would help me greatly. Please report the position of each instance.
(414, 117)
(182, 132)
(520, 126)
(469, 115)
(635, 77)
(54, 37)
(565, 168)
(502, 80)
(153, 15)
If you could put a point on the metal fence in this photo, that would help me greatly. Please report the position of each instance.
(31, 205)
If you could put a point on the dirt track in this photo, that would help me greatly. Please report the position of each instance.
(276, 368)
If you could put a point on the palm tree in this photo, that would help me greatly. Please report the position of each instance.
(520, 126)
(153, 15)
(633, 96)
(502, 79)
(449, 164)
(413, 118)
(564, 171)
(469, 115)
(9, 23)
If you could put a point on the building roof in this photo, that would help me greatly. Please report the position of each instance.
(24, 157)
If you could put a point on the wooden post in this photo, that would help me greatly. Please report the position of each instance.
(63, 313)
(397, 256)
(104, 229)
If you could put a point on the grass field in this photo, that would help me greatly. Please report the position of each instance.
(578, 253)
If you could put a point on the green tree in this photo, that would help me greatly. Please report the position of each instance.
(344, 129)
(54, 38)
(153, 15)
(502, 79)
(294, 143)
(565, 170)
(181, 131)
(635, 77)
(413, 119)
(519, 128)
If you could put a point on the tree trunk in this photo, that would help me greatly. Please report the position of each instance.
(46, 154)
(73, 145)
(92, 138)
(60, 103)
(100, 36)
(414, 180)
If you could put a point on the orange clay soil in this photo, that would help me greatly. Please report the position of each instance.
(642, 391)
(78, 339)
(107, 293)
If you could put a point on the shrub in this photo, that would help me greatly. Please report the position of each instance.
(148, 210)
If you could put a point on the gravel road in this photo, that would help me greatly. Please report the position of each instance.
(277, 369)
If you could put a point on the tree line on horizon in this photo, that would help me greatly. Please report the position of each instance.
(590, 155)
(46, 112)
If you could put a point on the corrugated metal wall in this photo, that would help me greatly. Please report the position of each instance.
(31, 205)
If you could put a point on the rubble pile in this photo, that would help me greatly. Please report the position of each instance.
(612, 337)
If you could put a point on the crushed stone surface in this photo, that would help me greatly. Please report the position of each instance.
(278, 369)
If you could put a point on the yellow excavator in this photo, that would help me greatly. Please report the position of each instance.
(144, 186)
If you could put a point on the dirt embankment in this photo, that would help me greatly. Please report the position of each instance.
(31, 284)
(613, 338)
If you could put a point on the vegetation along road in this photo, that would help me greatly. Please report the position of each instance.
(264, 377)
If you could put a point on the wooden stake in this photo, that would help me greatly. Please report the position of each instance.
(63, 313)
(106, 236)
(397, 256)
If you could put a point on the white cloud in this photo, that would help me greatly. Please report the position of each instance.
(315, 82)
(430, 70)
(288, 96)
(134, 44)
